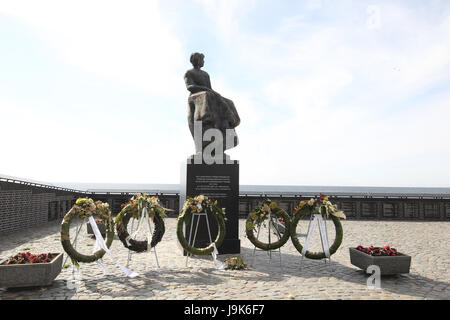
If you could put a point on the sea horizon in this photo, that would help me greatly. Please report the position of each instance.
(253, 188)
(244, 188)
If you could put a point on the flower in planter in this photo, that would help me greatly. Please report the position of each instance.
(28, 258)
(378, 251)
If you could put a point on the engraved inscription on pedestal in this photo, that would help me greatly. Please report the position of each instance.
(213, 186)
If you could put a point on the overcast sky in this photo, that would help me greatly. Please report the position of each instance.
(329, 92)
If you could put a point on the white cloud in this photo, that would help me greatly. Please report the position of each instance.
(353, 148)
(128, 41)
(90, 148)
(226, 15)
(355, 99)
(332, 102)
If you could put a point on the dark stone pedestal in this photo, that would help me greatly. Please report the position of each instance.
(219, 182)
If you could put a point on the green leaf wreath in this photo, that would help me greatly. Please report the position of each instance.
(318, 206)
(200, 204)
(133, 209)
(258, 217)
(84, 208)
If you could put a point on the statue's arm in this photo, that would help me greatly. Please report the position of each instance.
(192, 86)
(208, 82)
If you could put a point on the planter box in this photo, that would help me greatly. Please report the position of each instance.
(101, 227)
(30, 275)
(388, 264)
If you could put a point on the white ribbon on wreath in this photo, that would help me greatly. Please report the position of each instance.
(100, 243)
(217, 264)
(138, 228)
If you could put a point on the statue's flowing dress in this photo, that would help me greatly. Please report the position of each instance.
(213, 110)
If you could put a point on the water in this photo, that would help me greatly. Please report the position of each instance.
(252, 189)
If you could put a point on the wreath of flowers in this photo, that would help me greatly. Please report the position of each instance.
(318, 206)
(259, 215)
(200, 204)
(84, 208)
(133, 209)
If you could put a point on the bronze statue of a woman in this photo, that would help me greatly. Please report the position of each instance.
(208, 106)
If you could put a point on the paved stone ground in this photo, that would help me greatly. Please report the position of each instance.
(426, 242)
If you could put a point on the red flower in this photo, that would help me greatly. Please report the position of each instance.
(378, 251)
(122, 206)
(27, 257)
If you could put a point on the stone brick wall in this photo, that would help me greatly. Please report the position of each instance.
(13, 209)
(355, 208)
(22, 209)
(369, 209)
(23, 206)
(39, 207)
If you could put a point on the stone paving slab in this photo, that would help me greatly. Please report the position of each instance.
(426, 242)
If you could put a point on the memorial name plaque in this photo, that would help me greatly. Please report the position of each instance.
(219, 182)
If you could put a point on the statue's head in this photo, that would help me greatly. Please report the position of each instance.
(197, 59)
